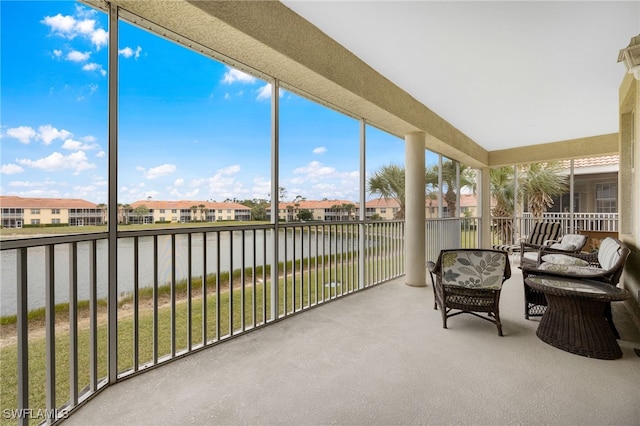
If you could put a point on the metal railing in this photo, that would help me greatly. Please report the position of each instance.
(508, 230)
(450, 233)
(179, 290)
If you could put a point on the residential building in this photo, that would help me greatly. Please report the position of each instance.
(21, 211)
(323, 210)
(156, 211)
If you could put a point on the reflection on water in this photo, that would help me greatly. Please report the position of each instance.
(305, 245)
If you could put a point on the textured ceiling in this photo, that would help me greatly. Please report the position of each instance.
(504, 73)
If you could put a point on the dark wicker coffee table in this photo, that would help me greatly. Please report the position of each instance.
(574, 320)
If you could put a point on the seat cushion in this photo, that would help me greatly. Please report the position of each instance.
(563, 259)
(564, 247)
(570, 269)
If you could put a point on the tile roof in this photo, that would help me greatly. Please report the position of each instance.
(8, 201)
(608, 160)
(185, 204)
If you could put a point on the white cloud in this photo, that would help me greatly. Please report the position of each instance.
(320, 150)
(94, 67)
(101, 154)
(76, 161)
(265, 92)
(23, 133)
(156, 172)
(61, 25)
(233, 75)
(77, 56)
(71, 26)
(230, 170)
(57, 53)
(75, 145)
(48, 134)
(99, 38)
(10, 169)
(315, 169)
(86, 26)
(178, 182)
(128, 52)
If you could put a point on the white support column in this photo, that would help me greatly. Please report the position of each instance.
(484, 197)
(416, 272)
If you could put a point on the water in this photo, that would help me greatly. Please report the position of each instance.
(304, 246)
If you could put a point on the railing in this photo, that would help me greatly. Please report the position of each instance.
(507, 230)
(179, 290)
(450, 233)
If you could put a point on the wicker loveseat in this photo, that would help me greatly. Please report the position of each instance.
(605, 265)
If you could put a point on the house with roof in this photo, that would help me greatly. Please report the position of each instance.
(17, 212)
(184, 211)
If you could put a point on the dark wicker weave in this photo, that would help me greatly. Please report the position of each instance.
(535, 302)
(575, 319)
(467, 299)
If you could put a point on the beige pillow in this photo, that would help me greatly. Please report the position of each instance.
(563, 259)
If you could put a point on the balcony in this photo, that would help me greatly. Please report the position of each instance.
(377, 353)
(381, 356)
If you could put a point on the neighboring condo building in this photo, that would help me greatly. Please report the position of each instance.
(17, 212)
(152, 211)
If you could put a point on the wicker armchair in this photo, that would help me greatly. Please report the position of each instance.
(605, 265)
(469, 281)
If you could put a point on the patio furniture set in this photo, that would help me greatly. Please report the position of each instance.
(571, 290)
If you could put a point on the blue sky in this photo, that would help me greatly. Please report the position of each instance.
(190, 128)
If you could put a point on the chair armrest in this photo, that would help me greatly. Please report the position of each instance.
(431, 266)
(529, 247)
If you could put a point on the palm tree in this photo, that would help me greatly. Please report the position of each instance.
(449, 181)
(348, 207)
(540, 183)
(202, 209)
(388, 183)
(194, 209)
(502, 187)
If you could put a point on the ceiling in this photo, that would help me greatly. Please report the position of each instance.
(506, 74)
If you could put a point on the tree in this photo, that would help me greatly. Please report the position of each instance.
(349, 208)
(540, 183)
(194, 209)
(103, 209)
(305, 215)
(259, 212)
(388, 183)
(449, 182)
(202, 208)
(140, 212)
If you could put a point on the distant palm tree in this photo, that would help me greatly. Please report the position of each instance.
(194, 209)
(202, 207)
(540, 183)
(388, 183)
(450, 183)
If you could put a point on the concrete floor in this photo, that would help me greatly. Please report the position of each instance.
(381, 357)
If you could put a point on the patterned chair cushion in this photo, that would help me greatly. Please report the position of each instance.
(572, 269)
(473, 269)
(563, 259)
